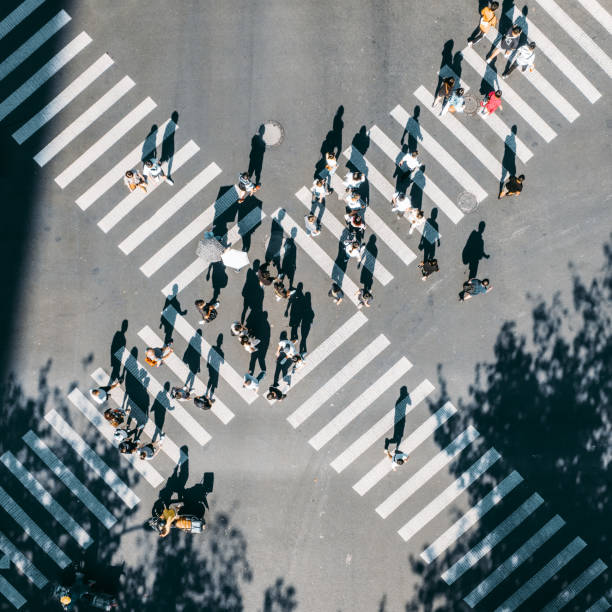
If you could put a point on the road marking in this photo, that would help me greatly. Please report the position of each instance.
(413, 441)
(18, 15)
(471, 517)
(40, 77)
(24, 521)
(93, 460)
(338, 380)
(33, 43)
(11, 593)
(81, 123)
(543, 576)
(601, 605)
(515, 560)
(429, 512)
(355, 408)
(399, 412)
(21, 562)
(598, 11)
(31, 483)
(429, 470)
(63, 99)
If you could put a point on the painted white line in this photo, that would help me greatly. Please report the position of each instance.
(370, 262)
(523, 553)
(600, 14)
(429, 470)
(559, 59)
(24, 521)
(63, 99)
(11, 593)
(338, 380)
(94, 416)
(18, 15)
(74, 485)
(318, 255)
(77, 167)
(31, 483)
(93, 460)
(471, 517)
(355, 408)
(41, 76)
(413, 441)
(485, 546)
(21, 562)
(81, 123)
(587, 44)
(188, 233)
(130, 201)
(171, 207)
(576, 586)
(427, 514)
(543, 576)
(601, 605)
(401, 411)
(34, 42)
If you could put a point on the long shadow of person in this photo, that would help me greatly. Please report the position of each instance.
(256, 156)
(167, 151)
(509, 160)
(249, 219)
(341, 260)
(430, 238)
(490, 78)
(258, 322)
(308, 316)
(473, 251)
(419, 180)
(118, 342)
(252, 293)
(176, 483)
(226, 207)
(168, 318)
(149, 148)
(337, 127)
(192, 357)
(361, 141)
(456, 67)
(275, 242)
(413, 130)
(295, 311)
(445, 61)
(214, 360)
(400, 418)
(289, 264)
(136, 382)
(369, 261)
(216, 271)
(159, 407)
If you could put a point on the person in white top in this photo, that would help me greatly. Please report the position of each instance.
(287, 348)
(397, 458)
(354, 249)
(410, 162)
(133, 179)
(152, 167)
(246, 187)
(238, 329)
(312, 226)
(354, 179)
(250, 382)
(249, 344)
(319, 190)
(101, 394)
(149, 451)
(400, 203)
(331, 165)
(353, 200)
(416, 219)
(525, 58)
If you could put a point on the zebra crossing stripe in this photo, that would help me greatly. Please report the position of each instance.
(171, 207)
(11, 593)
(24, 521)
(388, 421)
(370, 262)
(576, 586)
(22, 563)
(514, 561)
(427, 514)
(543, 576)
(598, 11)
(336, 382)
(88, 410)
(33, 43)
(73, 484)
(601, 605)
(587, 44)
(41, 76)
(92, 459)
(429, 470)
(63, 99)
(14, 18)
(81, 123)
(413, 441)
(31, 483)
(471, 517)
(355, 408)
(559, 59)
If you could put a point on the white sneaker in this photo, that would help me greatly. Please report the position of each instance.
(169, 181)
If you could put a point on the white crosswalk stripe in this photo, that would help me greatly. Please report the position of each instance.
(388, 421)
(427, 514)
(428, 471)
(81, 123)
(336, 382)
(63, 99)
(413, 441)
(22, 563)
(601, 605)
(33, 43)
(14, 510)
(93, 460)
(359, 405)
(18, 15)
(11, 593)
(41, 76)
(599, 13)
(31, 483)
(130, 201)
(74, 485)
(471, 517)
(98, 149)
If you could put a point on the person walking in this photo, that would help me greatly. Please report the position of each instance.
(416, 219)
(409, 163)
(249, 343)
(474, 287)
(149, 451)
(264, 276)
(203, 401)
(488, 20)
(121, 434)
(336, 294)
(455, 102)
(397, 458)
(181, 394)
(237, 329)
(274, 393)
(312, 225)
(101, 394)
(155, 357)
(331, 165)
(117, 416)
(208, 311)
(319, 190)
(152, 167)
(286, 349)
(525, 58)
(128, 447)
(279, 289)
(353, 180)
(364, 298)
(246, 188)
(509, 43)
(446, 86)
(133, 179)
(491, 103)
(400, 203)
(354, 221)
(513, 187)
(353, 200)
(250, 382)
(352, 249)
(428, 267)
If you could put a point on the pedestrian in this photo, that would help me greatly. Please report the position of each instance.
(397, 458)
(149, 451)
(181, 394)
(353, 180)
(364, 298)
(428, 267)
(237, 329)
(246, 188)
(353, 199)
(298, 362)
(416, 219)
(352, 248)
(491, 103)
(488, 20)
(208, 311)
(319, 190)
(133, 179)
(525, 58)
(249, 343)
(152, 167)
(128, 447)
(474, 287)
(122, 433)
(287, 349)
(446, 86)
(204, 402)
(336, 293)
(400, 203)
(264, 276)
(355, 220)
(101, 394)
(155, 357)
(117, 416)
(312, 225)
(509, 43)
(250, 382)
(279, 290)
(455, 103)
(274, 393)
(513, 186)
(409, 163)
(331, 165)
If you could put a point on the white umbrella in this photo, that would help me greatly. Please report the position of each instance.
(235, 259)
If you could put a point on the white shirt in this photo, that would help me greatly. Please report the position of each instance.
(249, 347)
(354, 251)
(319, 190)
(411, 162)
(397, 455)
(525, 56)
(154, 170)
(251, 382)
(99, 397)
(284, 346)
(349, 181)
(401, 204)
(236, 329)
(331, 165)
(352, 202)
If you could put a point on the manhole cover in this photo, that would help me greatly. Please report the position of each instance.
(467, 202)
(273, 134)
(471, 104)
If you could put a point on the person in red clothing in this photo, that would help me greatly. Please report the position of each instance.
(491, 103)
